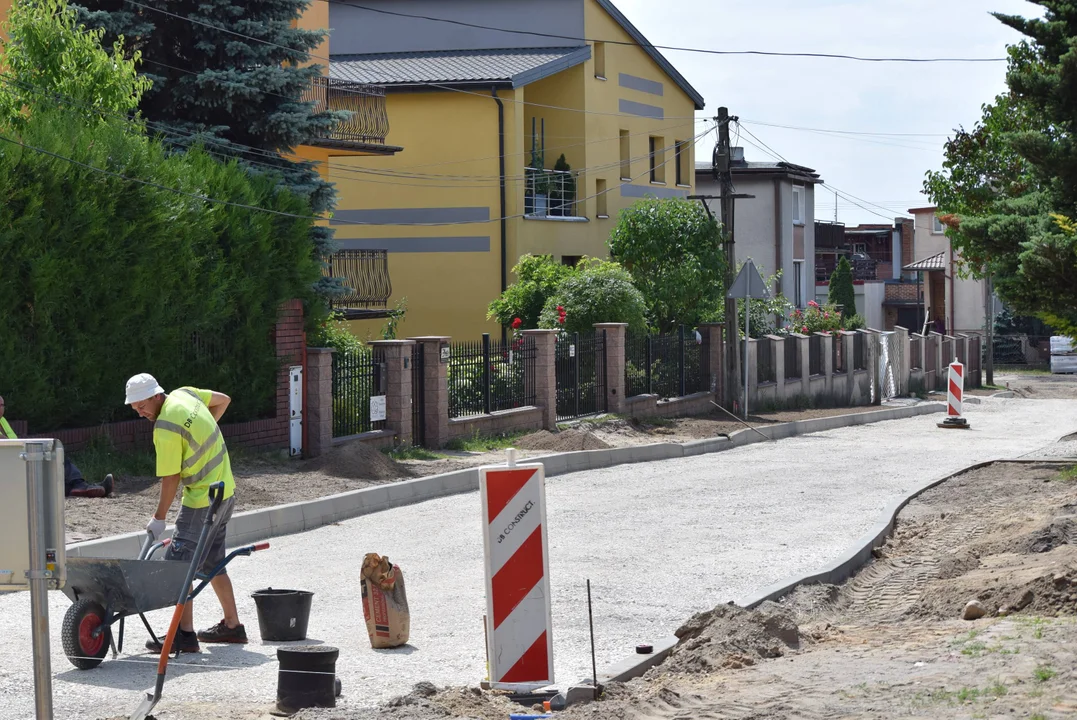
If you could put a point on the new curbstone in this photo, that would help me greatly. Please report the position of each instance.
(256, 525)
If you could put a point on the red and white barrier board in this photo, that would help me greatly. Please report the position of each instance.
(518, 614)
(955, 389)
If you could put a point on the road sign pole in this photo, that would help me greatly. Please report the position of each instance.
(747, 320)
(38, 575)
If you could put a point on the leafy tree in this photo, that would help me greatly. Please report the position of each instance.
(211, 85)
(673, 251)
(596, 292)
(1008, 188)
(537, 279)
(103, 274)
(75, 75)
(841, 292)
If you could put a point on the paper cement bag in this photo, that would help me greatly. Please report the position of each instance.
(385, 602)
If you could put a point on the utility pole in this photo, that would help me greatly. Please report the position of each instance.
(835, 207)
(989, 307)
(722, 158)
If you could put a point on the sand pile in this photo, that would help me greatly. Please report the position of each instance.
(565, 441)
(359, 461)
(732, 637)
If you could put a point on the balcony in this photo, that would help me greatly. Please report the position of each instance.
(365, 276)
(367, 127)
(551, 195)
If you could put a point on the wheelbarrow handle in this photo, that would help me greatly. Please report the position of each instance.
(216, 497)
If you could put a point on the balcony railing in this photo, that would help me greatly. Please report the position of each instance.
(365, 276)
(550, 193)
(369, 120)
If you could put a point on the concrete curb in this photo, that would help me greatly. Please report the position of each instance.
(836, 572)
(256, 525)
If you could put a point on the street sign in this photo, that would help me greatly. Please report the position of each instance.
(749, 284)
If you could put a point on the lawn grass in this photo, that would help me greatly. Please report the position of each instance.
(484, 443)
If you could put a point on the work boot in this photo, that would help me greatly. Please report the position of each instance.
(186, 642)
(82, 490)
(108, 484)
(221, 633)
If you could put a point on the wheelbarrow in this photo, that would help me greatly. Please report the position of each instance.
(106, 591)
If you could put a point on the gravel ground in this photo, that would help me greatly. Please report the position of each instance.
(659, 541)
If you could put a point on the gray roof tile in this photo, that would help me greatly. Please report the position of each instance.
(460, 66)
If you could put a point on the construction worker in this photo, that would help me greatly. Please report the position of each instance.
(191, 452)
(74, 484)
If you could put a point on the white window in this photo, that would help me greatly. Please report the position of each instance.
(798, 205)
(936, 225)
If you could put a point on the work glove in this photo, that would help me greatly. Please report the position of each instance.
(155, 528)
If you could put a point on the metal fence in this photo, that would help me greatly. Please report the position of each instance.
(860, 352)
(664, 365)
(418, 395)
(837, 353)
(791, 348)
(764, 361)
(580, 367)
(1029, 350)
(358, 375)
(489, 376)
(815, 355)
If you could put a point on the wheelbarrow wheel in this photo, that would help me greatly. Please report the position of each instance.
(81, 647)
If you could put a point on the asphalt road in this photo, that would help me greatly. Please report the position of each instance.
(658, 541)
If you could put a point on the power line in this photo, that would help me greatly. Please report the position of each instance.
(255, 208)
(427, 180)
(705, 51)
(308, 55)
(844, 132)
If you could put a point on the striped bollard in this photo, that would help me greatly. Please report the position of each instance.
(517, 563)
(955, 388)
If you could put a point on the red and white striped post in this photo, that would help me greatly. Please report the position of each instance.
(519, 625)
(955, 389)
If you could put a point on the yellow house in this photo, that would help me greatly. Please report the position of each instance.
(485, 105)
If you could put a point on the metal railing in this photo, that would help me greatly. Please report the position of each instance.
(791, 349)
(916, 356)
(815, 354)
(664, 365)
(580, 367)
(764, 361)
(860, 352)
(358, 375)
(489, 376)
(550, 193)
(418, 395)
(365, 276)
(368, 123)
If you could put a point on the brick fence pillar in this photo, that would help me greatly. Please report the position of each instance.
(616, 334)
(545, 370)
(713, 349)
(435, 388)
(397, 355)
(319, 412)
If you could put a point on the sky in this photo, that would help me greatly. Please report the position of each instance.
(924, 98)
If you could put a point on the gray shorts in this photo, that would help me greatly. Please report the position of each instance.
(189, 528)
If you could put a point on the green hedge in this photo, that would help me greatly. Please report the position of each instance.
(102, 277)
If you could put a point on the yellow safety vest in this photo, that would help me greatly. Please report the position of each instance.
(189, 443)
(6, 429)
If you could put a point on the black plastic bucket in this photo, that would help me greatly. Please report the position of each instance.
(283, 614)
(307, 677)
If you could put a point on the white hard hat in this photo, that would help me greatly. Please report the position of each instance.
(142, 387)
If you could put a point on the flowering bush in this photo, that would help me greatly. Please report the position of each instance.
(815, 318)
